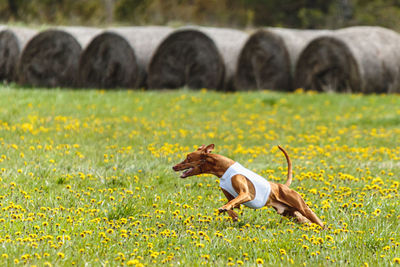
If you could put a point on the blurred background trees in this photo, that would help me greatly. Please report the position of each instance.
(232, 13)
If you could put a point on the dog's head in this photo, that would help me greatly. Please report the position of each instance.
(195, 162)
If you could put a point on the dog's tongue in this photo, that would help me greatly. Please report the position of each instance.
(185, 174)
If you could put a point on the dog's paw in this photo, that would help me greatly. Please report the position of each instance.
(222, 209)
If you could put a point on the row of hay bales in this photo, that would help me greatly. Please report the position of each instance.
(355, 59)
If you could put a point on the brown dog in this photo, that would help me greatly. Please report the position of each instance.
(242, 186)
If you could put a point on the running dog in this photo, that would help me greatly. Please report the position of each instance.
(242, 186)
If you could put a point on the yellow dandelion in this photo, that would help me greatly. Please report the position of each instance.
(260, 261)
(200, 245)
(60, 255)
(132, 262)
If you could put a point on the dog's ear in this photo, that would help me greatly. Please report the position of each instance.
(209, 148)
(202, 147)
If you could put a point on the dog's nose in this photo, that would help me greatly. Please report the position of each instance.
(174, 168)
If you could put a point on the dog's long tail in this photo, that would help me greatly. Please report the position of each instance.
(289, 174)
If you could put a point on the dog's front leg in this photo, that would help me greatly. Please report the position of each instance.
(231, 213)
(245, 190)
(241, 198)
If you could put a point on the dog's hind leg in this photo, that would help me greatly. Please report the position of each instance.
(300, 218)
(303, 209)
(295, 201)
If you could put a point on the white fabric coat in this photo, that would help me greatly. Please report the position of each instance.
(261, 185)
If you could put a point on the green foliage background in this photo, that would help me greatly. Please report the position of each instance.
(233, 13)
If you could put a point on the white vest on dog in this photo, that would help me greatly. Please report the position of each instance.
(261, 185)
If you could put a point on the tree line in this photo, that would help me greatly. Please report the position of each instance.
(233, 13)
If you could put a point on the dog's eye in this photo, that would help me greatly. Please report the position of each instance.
(188, 158)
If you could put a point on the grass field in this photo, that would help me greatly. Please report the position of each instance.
(86, 177)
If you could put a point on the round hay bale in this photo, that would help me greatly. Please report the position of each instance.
(268, 58)
(230, 43)
(50, 59)
(12, 41)
(355, 59)
(196, 57)
(186, 57)
(118, 58)
(9, 53)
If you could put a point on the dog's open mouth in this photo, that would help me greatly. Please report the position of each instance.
(187, 172)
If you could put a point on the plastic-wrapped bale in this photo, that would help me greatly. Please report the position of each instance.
(355, 59)
(118, 57)
(197, 57)
(12, 41)
(50, 59)
(268, 58)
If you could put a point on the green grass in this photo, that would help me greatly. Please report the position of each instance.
(86, 177)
